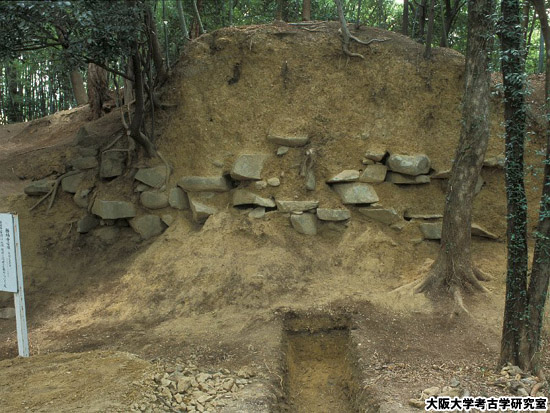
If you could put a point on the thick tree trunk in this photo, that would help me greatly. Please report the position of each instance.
(540, 272)
(428, 50)
(156, 51)
(77, 83)
(98, 89)
(306, 10)
(405, 28)
(422, 20)
(453, 269)
(514, 115)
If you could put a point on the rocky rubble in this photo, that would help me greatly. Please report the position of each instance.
(187, 389)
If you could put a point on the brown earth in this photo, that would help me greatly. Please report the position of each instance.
(218, 295)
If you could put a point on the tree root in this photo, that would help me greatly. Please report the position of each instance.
(537, 387)
(53, 191)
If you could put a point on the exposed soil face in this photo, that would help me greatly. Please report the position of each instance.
(219, 295)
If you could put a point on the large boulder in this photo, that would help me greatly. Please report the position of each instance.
(248, 167)
(155, 176)
(148, 226)
(245, 197)
(205, 183)
(113, 209)
(296, 206)
(328, 214)
(409, 164)
(290, 141)
(40, 187)
(153, 200)
(356, 193)
(304, 223)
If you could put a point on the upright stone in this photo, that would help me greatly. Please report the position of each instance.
(201, 212)
(155, 176)
(148, 226)
(248, 167)
(409, 164)
(113, 209)
(356, 193)
(205, 183)
(178, 199)
(71, 183)
(112, 165)
(431, 230)
(304, 223)
(290, 141)
(86, 224)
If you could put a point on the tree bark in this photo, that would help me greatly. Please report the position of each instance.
(405, 28)
(98, 89)
(14, 112)
(428, 49)
(422, 20)
(453, 270)
(306, 10)
(183, 23)
(77, 84)
(198, 17)
(156, 51)
(514, 115)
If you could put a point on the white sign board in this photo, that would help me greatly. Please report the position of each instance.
(11, 275)
(8, 268)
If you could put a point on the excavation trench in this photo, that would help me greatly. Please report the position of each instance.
(320, 371)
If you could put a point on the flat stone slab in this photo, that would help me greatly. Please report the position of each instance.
(422, 215)
(375, 155)
(374, 174)
(431, 230)
(85, 162)
(304, 223)
(153, 200)
(40, 187)
(201, 212)
(348, 175)
(245, 197)
(295, 206)
(248, 167)
(479, 231)
(327, 214)
(205, 183)
(148, 226)
(71, 183)
(290, 141)
(177, 198)
(155, 176)
(86, 224)
(400, 179)
(281, 150)
(388, 216)
(409, 164)
(257, 213)
(113, 209)
(356, 193)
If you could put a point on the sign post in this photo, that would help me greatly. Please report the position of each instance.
(11, 275)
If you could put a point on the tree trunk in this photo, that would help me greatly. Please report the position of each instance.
(98, 89)
(183, 23)
(77, 83)
(156, 51)
(306, 10)
(231, 7)
(453, 269)
(514, 115)
(529, 357)
(14, 112)
(422, 20)
(405, 28)
(428, 50)
(198, 17)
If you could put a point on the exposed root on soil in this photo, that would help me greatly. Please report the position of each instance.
(53, 192)
(537, 387)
